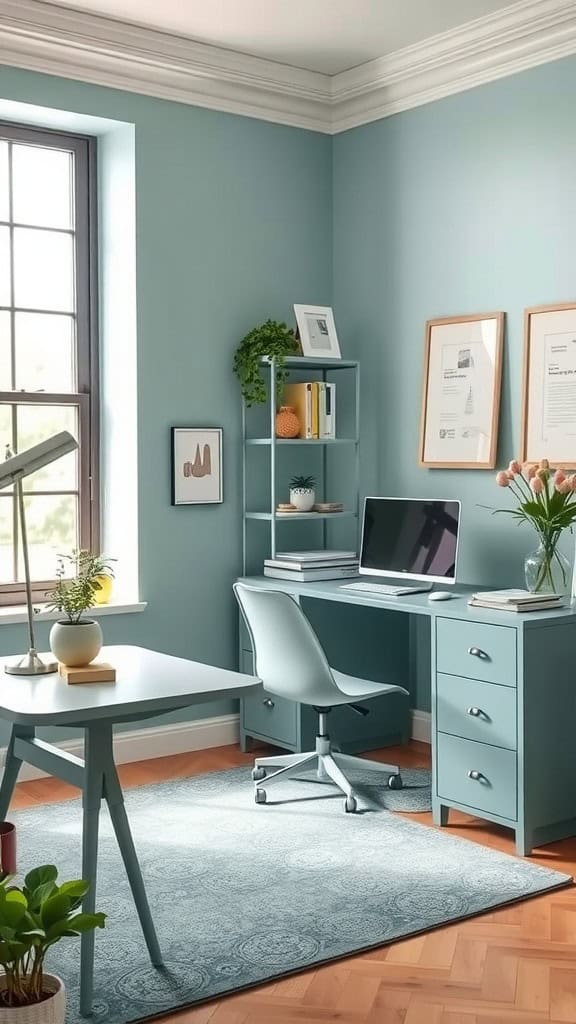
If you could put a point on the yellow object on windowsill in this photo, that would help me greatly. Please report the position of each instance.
(103, 595)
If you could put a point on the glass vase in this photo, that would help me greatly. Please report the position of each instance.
(548, 571)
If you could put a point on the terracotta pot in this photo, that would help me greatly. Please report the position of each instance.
(75, 643)
(50, 1011)
(287, 422)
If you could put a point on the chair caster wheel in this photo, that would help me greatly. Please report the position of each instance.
(258, 774)
(350, 805)
(395, 782)
(260, 796)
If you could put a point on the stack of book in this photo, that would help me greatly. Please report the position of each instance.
(314, 403)
(305, 566)
(516, 600)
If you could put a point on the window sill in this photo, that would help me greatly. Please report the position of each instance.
(11, 614)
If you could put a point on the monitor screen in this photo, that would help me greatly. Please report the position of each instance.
(415, 538)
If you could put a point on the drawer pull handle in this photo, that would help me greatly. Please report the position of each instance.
(473, 774)
(475, 712)
(268, 703)
(476, 652)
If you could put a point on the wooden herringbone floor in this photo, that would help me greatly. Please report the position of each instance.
(517, 964)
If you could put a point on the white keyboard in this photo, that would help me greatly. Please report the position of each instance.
(383, 589)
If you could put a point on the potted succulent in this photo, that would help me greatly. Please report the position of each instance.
(270, 339)
(32, 920)
(75, 640)
(302, 494)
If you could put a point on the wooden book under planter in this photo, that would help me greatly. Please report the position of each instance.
(96, 672)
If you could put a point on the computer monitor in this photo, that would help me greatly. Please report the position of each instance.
(410, 538)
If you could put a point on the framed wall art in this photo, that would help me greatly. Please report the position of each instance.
(317, 332)
(549, 392)
(461, 391)
(196, 465)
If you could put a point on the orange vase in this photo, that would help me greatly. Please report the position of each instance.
(287, 422)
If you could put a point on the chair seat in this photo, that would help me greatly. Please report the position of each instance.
(360, 689)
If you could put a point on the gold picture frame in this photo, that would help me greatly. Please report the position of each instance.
(461, 391)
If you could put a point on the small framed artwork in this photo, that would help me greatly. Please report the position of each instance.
(549, 392)
(461, 391)
(317, 332)
(196, 465)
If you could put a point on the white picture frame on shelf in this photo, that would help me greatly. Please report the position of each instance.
(317, 331)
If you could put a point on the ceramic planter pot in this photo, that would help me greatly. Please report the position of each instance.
(75, 643)
(302, 498)
(103, 595)
(50, 1011)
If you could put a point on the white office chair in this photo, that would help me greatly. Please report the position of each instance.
(291, 663)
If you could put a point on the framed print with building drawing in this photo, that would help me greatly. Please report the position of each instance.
(549, 399)
(461, 391)
(196, 465)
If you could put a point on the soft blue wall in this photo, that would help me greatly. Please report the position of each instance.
(233, 225)
(464, 205)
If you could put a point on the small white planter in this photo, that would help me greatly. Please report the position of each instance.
(50, 1011)
(302, 498)
(75, 643)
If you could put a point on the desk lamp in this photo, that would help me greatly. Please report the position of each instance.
(13, 471)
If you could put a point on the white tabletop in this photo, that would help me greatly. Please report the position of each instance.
(147, 683)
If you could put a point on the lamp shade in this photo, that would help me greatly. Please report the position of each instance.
(40, 455)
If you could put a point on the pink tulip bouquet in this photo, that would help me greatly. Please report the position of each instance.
(547, 500)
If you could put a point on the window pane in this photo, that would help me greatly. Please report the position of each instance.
(4, 266)
(52, 526)
(6, 539)
(44, 352)
(43, 270)
(35, 424)
(5, 358)
(4, 202)
(42, 186)
(6, 438)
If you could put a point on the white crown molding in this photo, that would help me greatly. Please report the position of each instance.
(77, 45)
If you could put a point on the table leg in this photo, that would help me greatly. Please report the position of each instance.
(115, 800)
(91, 800)
(12, 767)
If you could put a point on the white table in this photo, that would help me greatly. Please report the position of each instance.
(147, 684)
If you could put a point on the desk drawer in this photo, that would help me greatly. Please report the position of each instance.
(476, 711)
(493, 786)
(265, 714)
(476, 650)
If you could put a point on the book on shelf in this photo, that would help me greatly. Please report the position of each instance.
(314, 405)
(331, 572)
(314, 556)
(325, 563)
(327, 410)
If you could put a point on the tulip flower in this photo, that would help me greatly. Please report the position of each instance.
(559, 477)
(572, 480)
(563, 487)
(531, 471)
(502, 478)
(544, 464)
(514, 467)
(537, 485)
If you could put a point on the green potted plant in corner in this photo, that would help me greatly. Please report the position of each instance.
(271, 339)
(34, 918)
(75, 640)
(302, 493)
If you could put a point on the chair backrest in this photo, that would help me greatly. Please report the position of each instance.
(288, 657)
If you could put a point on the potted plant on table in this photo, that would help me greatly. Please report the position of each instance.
(302, 493)
(75, 640)
(547, 501)
(32, 920)
(271, 339)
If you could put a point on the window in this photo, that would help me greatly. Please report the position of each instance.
(48, 359)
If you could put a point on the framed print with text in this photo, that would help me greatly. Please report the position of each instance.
(317, 332)
(549, 398)
(461, 391)
(196, 465)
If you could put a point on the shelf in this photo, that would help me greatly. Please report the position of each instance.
(310, 363)
(267, 516)
(283, 441)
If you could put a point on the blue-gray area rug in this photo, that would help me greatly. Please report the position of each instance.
(243, 893)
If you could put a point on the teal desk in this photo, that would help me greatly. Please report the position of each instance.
(503, 691)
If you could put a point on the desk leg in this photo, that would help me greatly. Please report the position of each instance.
(91, 800)
(12, 767)
(115, 800)
(440, 813)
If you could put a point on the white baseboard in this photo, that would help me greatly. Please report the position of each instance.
(422, 726)
(159, 741)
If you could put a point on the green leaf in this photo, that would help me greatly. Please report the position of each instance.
(38, 896)
(54, 909)
(86, 922)
(39, 876)
(76, 889)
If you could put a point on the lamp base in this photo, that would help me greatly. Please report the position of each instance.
(31, 665)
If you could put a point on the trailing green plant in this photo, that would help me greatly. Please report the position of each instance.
(302, 483)
(32, 920)
(77, 583)
(270, 340)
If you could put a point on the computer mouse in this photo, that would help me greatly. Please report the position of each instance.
(440, 595)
